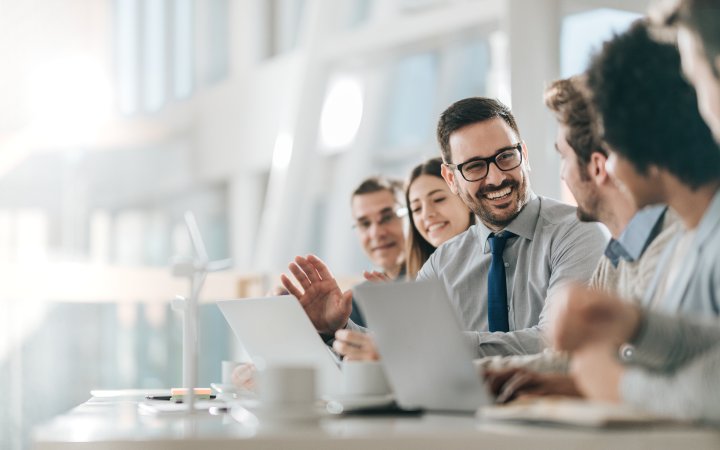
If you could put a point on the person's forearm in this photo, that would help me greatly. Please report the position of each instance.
(521, 342)
(664, 342)
(691, 393)
(546, 361)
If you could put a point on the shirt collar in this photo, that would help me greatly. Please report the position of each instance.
(710, 220)
(523, 225)
(637, 235)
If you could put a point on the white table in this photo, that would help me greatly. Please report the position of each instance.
(115, 423)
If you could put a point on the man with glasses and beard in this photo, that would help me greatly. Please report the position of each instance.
(499, 272)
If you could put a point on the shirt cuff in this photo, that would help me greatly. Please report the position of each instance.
(632, 386)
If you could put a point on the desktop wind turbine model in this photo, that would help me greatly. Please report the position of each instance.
(196, 270)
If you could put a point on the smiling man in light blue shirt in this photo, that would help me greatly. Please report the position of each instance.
(545, 245)
(486, 164)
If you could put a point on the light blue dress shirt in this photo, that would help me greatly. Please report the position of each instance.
(552, 247)
(642, 229)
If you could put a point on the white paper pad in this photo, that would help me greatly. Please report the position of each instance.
(574, 412)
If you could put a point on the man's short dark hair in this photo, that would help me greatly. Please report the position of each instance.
(467, 112)
(648, 112)
(703, 18)
(567, 99)
(380, 183)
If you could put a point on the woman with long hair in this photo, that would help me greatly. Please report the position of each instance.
(436, 215)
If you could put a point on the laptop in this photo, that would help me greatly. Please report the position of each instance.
(427, 359)
(276, 330)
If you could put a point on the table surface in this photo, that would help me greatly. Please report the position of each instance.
(113, 421)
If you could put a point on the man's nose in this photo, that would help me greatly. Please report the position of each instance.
(495, 176)
(377, 230)
(428, 211)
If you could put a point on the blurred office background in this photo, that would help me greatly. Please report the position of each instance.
(260, 116)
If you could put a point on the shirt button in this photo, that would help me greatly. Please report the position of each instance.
(507, 264)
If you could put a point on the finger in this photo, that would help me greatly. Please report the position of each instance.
(375, 276)
(292, 289)
(513, 386)
(382, 275)
(360, 356)
(300, 275)
(352, 337)
(346, 349)
(369, 276)
(342, 334)
(320, 266)
(497, 378)
(309, 269)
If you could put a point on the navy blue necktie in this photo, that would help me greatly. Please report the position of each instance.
(497, 289)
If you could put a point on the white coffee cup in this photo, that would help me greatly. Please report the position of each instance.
(365, 378)
(286, 386)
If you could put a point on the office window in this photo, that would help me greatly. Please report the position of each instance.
(410, 6)
(360, 11)
(154, 54)
(215, 55)
(155, 42)
(411, 95)
(282, 21)
(127, 46)
(582, 34)
(465, 68)
(182, 32)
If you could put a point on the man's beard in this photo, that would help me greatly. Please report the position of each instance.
(588, 211)
(585, 216)
(490, 215)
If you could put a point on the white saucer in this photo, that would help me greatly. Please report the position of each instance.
(273, 416)
(354, 402)
(224, 388)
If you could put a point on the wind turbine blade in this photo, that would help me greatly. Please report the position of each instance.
(216, 266)
(195, 236)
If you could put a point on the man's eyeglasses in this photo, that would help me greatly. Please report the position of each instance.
(476, 169)
(385, 217)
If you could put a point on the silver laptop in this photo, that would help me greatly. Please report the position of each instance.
(426, 358)
(276, 330)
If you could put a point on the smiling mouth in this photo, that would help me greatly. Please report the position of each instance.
(382, 247)
(435, 227)
(499, 194)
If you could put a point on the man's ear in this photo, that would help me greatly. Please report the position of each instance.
(449, 177)
(525, 155)
(596, 168)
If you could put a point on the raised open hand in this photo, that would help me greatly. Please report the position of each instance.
(319, 294)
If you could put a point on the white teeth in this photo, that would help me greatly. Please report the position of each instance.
(435, 226)
(498, 194)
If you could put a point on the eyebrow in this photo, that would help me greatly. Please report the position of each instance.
(427, 195)
(382, 211)
(497, 152)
